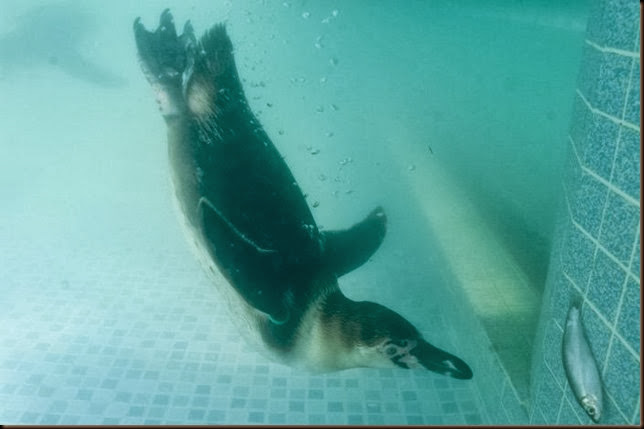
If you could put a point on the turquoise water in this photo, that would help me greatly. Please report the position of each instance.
(427, 107)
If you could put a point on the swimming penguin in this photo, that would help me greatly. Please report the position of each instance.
(249, 224)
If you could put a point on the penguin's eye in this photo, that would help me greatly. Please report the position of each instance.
(391, 350)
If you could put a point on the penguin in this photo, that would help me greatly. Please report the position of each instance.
(249, 224)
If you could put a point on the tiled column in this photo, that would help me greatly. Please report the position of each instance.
(597, 251)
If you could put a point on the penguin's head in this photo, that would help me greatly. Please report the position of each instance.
(380, 337)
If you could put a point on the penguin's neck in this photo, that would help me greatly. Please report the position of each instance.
(331, 335)
(347, 320)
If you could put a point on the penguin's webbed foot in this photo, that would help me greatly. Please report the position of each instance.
(166, 58)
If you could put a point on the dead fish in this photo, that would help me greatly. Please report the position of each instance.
(580, 365)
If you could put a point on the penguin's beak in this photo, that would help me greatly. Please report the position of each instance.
(437, 360)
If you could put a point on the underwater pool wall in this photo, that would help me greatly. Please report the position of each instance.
(596, 253)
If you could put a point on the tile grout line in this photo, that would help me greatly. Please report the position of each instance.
(572, 406)
(606, 115)
(611, 398)
(603, 319)
(602, 225)
(561, 390)
(599, 178)
(637, 410)
(602, 248)
(619, 133)
(606, 49)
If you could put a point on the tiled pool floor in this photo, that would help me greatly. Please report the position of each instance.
(97, 332)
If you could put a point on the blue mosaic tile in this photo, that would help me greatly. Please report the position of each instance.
(277, 381)
(472, 419)
(537, 418)
(180, 400)
(278, 393)
(57, 407)
(587, 204)
(444, 396)
(157, 412)
(415, 420)
(491, 400)
(433, 420)
(412, 407)
(626, 174)
(49, 419)
(595, 19)
(161, 400)
(597, 332)
(46, 391)
(561, 297)
(449, 407)
(605, 287)
(335, 406)
(629, 322)
(619, 227)
(196, 414)
(392, 408)
(238, 403)
(609, 91)
(612, 415)
(355, 419)
(582, 118)
(622, 378)
(600, 144)
(588, 71)
(136, 411)
(109, 383)
(552, 352)
(567, 415)
(295, 406)
(548, 397)
(618, 25)
(375, 419)
(200, 401)
(578, 257)
(317, 419)
(355, 407)
(218, 416)
(352, 383)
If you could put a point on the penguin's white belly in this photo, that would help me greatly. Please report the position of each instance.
(245, 318)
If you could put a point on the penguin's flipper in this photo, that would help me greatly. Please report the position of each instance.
(251, 270)
(346, 250)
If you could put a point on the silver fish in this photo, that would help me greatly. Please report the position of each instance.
(581, 368)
